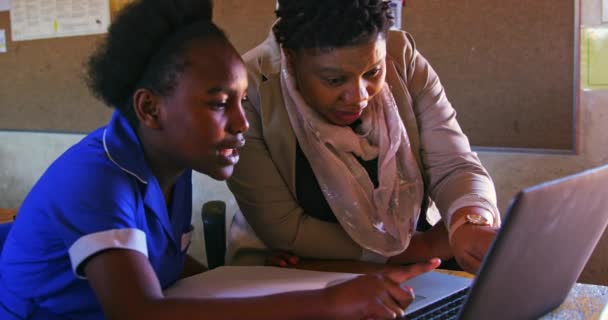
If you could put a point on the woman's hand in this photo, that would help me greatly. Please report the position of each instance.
(470, 244)
(376, 296)
(280, 258)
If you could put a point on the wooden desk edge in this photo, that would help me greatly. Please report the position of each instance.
(7, 215)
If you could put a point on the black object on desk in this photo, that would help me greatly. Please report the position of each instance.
(214, 227)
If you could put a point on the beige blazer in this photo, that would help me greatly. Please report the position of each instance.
(264, 180)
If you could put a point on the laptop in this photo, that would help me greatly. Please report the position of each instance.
(547, 236)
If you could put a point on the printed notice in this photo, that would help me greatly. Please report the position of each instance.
(594, 65)
(38, 19)
(2, 41)
(396, 9)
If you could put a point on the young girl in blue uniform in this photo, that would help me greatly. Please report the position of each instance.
(106, 227)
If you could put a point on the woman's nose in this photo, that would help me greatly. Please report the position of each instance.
(357, 94)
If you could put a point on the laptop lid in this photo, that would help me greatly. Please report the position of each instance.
(548, 235)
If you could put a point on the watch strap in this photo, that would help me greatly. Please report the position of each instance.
(462, 221)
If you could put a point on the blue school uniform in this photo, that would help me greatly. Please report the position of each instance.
(100, 194)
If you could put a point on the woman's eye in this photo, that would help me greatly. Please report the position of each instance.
(245, 98)
(372, 73)
(334, 81)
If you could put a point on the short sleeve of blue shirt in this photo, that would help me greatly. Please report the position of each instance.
(98, 195)
(97, 213)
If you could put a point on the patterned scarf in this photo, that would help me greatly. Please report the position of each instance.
(379, 219)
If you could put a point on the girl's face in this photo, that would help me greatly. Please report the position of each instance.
(202, 119)
(339, 83)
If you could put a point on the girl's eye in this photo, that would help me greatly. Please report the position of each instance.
(218, 105)
(245, 98)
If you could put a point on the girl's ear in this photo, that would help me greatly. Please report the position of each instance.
(146, 105)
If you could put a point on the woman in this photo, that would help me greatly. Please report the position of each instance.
(351, 138)
(106, 227)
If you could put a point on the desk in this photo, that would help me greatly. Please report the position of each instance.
(585, 301)
(7, 215)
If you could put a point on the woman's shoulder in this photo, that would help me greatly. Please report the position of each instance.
(263, 64)
(400, 47)
(264, 59)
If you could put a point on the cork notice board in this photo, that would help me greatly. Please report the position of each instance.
(42, 85)
(509, 67)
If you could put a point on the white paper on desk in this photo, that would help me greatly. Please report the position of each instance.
(250, 281)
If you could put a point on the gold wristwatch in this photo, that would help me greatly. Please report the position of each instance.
(469, 218)
(477, 219)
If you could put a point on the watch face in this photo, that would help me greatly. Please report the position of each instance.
(477, 219)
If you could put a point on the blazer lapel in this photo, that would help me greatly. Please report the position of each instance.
(278, 134)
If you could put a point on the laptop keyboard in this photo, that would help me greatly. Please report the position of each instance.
(446, 308)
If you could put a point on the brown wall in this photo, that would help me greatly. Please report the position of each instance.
(508, 68)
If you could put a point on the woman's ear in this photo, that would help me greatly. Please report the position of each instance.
(290, 56)
(146, 105)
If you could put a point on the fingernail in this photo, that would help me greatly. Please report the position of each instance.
(411, 290)
(402, 313)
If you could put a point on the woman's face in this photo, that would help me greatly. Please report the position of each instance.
(203, 119)
(339, 83)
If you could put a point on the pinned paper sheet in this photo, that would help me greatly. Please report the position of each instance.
(604, 10)
(396, 10)
(38, 19)
(4, 5)
(2, 41)
(594, 61)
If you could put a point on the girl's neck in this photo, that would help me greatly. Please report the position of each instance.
(161, 165)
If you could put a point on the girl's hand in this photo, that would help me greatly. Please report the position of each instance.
(376, 296)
